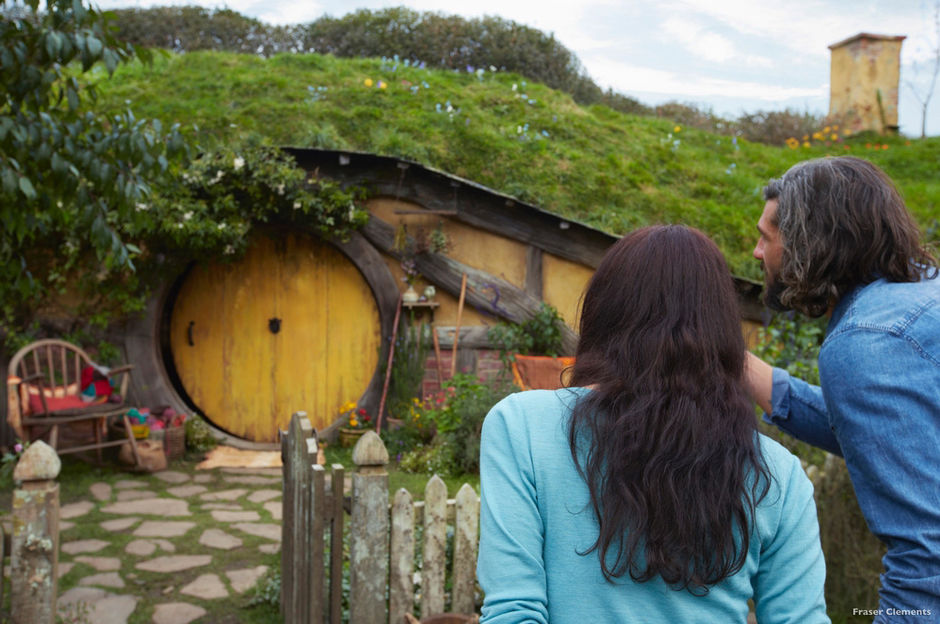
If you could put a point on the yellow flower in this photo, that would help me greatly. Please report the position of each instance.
(834, 136)
(834, 128)
(677, 129)
(353, 422)
(792, 143)
(805, 143)
(806, 137)
(347, 406)
(818, 136)
(846, 132)
(367, 82)
(826, 130)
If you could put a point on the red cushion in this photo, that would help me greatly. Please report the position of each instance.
(55, 403)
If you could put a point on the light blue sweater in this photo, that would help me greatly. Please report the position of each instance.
(536, 517)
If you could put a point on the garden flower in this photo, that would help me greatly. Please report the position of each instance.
(367, 82)
(18, 447)
(238, 163)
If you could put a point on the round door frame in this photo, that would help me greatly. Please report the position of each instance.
(146, 340)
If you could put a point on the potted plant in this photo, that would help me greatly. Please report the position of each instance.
(357, 422)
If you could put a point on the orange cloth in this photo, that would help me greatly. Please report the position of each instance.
(540, 372)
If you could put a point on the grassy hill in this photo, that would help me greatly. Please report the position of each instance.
(607, 169)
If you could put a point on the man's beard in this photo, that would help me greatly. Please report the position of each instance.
(773, 288)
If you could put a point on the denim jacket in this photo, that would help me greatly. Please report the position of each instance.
(879, 407)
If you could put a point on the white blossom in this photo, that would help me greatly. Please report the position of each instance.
(296, 205)
(187, 215)
(238, 163)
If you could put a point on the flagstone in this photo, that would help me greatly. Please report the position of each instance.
(243, 580)
(223, 495)
(260, 496)
(102, 564)
(184, 491)
(174, 563)
(269, 531)
(177, 613)
(270, 549)
(74, 510)
(141, 548)
(220, 515)
(154, 528)
(102, 607)
(276, 509)
(150, 506)
(202, 478)
(171, 476)
(107, 579)
(206, 586)
(64, 568)
(101, 491)
(125, 484)
(119, 524)
(65, 525)
(216, 538)
(128, 495)
(83, 546)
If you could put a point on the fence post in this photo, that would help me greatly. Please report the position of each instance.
(35, 543)
(466, 529)
(302, 544)
(368, 532)
(401, 590)
(434, 560)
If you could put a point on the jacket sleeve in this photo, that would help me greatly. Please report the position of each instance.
(799, 409)
(510, 567)
(791, 575)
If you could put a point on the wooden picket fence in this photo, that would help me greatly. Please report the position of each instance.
(382, 538)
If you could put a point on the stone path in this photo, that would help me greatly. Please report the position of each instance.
(175, 542)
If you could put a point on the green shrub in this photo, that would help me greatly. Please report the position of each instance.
(539, 335)
(199, 437)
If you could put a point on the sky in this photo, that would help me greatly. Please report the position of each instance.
(730, 56)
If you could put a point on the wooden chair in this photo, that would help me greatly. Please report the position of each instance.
(45, 394)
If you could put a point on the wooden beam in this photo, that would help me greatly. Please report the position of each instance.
(533, 271)
(485, 292)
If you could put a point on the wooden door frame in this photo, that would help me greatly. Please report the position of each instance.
(146, 339)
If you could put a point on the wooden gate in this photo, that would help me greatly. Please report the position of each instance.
(292, 324)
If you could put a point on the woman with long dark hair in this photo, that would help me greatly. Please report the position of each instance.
(643, 492)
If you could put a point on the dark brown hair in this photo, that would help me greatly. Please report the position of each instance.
(666, 441)
(843, 224)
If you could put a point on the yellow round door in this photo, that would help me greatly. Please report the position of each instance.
(291, 326)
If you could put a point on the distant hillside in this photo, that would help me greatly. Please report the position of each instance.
(608, 169)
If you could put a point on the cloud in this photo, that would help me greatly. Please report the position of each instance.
(629, 78)
(696, 39)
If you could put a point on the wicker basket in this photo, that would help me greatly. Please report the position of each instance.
(174, 441)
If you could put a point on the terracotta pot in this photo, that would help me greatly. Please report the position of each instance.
(349, 437)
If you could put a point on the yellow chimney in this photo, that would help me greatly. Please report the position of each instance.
(863, 82)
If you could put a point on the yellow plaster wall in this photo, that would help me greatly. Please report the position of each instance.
(497, 255)
(860, 68)
(563, 283)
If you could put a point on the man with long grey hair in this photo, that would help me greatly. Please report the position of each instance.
(837, 239)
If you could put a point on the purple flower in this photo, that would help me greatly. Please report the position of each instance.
(18, 447)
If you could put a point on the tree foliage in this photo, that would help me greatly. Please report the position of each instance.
(438, 40)
(71, 176)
